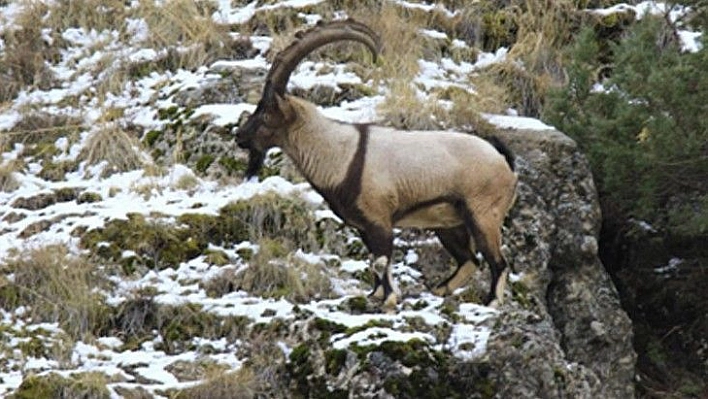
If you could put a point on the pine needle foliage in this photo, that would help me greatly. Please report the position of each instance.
(644, 129)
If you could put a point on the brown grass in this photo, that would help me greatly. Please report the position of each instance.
(266, 359)
(114, 145)
(186, 23)
(99, 15)
(40, 128)
(56, 286)
(544, 28)
(274, 273)
(404, 110)
(52, 385)
(401, 44)
(198, 369)
(241, 384)
(8, 182)
(23, 59)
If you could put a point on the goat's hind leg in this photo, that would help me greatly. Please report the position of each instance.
(488, 239)
(457, 242)
(486, 231)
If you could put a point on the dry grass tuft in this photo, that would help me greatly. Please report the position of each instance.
(42, 128)
(403, 109)
(524, 90)
(241, 384)
(56, 286)
(279, 23)
(266, 358)
(188, 25)
(197, 369)
(186, 182)
(137, 317)
(99, 15)
(290, 219)
(449, 108)
(544, 28)
(273, 273)
(8, 182)
(466, 105)
(402, 46)
(52, 385)
(25, 53)
(115, 146)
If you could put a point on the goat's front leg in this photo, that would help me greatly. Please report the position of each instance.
(379, 241)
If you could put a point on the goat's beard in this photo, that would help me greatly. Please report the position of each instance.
(255, 162)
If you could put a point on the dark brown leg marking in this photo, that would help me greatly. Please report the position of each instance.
(457, 242)
(379, 241)
(488, 242)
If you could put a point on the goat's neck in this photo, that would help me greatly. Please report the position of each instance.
(322, 149)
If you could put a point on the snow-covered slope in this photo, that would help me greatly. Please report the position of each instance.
(38, 212)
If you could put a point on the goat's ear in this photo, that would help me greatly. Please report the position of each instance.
(285, 107)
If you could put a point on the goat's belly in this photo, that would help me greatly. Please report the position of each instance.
(438, 216)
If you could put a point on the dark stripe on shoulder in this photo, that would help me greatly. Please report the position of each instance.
(352, 181)
(343, 198)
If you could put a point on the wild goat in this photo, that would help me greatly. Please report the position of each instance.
(377, 178)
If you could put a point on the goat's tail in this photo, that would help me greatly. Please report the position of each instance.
(503, 149)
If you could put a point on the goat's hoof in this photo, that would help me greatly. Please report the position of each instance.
(377, 293)
(494, 302)
(389, 305)
(441, 290)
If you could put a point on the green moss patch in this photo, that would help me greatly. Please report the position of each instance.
(433, 374)
(305, 382)
(51, 386)
(156, 244)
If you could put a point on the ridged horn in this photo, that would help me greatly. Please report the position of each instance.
(308, 41)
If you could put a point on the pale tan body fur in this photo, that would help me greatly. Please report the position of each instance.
(405, 168)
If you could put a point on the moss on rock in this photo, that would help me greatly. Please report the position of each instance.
(89, 197)
(156, 244)
(51, 386)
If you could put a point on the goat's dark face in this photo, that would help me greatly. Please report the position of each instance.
(267, 126)
(270, 124)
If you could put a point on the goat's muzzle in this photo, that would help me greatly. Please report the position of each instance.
(246, 133)
(242, 142)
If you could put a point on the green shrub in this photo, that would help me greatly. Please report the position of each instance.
(645, 132)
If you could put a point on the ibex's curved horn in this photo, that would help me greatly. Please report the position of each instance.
(312, 39)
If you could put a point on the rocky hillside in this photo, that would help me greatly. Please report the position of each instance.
(137, 263)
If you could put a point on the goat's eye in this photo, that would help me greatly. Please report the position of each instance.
(267, 119)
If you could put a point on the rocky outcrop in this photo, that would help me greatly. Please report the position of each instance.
(553, 235)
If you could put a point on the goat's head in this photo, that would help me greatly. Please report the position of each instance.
(268, 125)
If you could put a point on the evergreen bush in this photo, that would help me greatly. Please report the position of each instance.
(641, 119)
